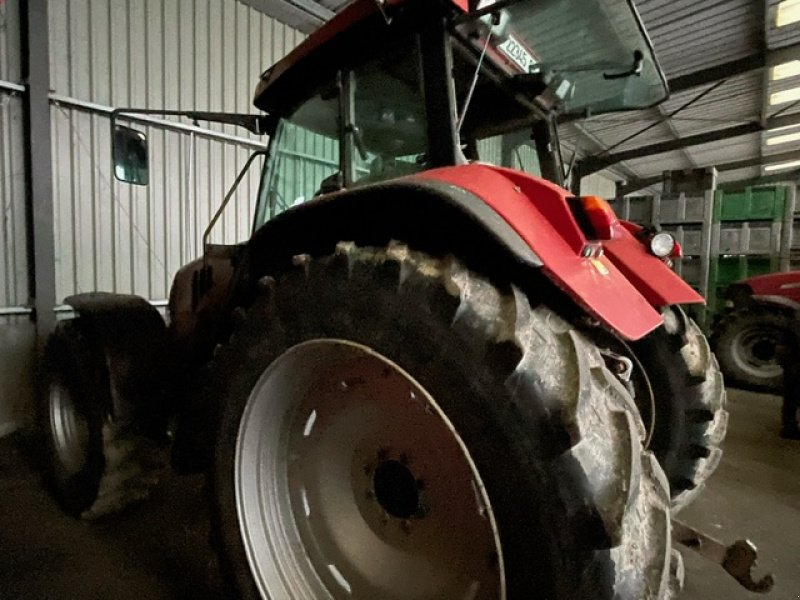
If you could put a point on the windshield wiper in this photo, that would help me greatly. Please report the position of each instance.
(636, 68)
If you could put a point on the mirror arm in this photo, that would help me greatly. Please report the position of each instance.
(257, 124)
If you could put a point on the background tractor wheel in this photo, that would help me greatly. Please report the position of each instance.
(745, 342)
(689, 396)
(386, 413)
(92, 466)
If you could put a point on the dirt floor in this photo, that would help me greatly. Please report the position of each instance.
(159, 550)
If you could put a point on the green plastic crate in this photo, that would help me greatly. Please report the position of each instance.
(763, 203)
(726, 270)
(729, 269)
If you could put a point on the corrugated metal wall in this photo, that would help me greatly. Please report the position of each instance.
(16, 332)
(13, 267)
(176, 54)
(172, 54)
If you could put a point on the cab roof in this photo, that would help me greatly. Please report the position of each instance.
(338, 42)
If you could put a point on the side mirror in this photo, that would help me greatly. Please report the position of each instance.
(129, 153)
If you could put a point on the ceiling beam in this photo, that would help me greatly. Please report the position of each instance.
(754, 62)
(637, 184)
(593, 164)
(714, 74)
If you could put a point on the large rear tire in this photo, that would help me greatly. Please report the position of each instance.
(93, 466)
(379, 407)
(689, 396)
(745, 341)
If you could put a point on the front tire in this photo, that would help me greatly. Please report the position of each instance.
(70, 419)
(390, 361)
(689, 397)
(92, 465)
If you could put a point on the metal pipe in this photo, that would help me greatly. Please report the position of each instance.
(11, 87)
(75, 103)
(66, 308)
(13, 311)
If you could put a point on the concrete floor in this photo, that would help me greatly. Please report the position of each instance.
(159, 550)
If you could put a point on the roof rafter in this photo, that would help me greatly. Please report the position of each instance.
(593, 164)
(637, 184)
(740, 66)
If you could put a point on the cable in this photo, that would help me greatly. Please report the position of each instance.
(474, 83)
(664, 119)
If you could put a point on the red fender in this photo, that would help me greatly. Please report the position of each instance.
(623, 288)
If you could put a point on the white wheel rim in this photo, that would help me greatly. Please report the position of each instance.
(352, 483)
(69, 430)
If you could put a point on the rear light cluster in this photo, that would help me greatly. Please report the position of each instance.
(597, 220)
(601, 216)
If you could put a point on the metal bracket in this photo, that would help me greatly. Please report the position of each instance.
(738, 559)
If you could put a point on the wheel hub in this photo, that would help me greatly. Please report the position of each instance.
(349, 477)
(754, 351)
(397, 490)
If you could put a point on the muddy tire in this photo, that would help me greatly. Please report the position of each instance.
(689, 397)
(92, 466)
(745, 342)
(384, 412)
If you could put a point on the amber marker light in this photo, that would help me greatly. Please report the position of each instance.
(601, 216)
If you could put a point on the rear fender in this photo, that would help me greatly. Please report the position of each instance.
(129, 335)
(500, 222)
(428, 215)
(779, 302)
(624, 287)
(784, 284)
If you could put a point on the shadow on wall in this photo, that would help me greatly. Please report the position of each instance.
(17, 360)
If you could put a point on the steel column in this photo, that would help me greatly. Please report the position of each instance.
(440, 97)
(39, 172)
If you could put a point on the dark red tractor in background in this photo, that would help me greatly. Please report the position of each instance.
(425, 375)
(754, 324)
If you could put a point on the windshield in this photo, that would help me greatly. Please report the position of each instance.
(367, 126)
(594, 54)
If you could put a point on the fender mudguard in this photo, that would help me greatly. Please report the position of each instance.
(624, 288)
(777, 288)
(780, 291)
(428, 215)
(501, 222)
(780, 302)
(129, 335)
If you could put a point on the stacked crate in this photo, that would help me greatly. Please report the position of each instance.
(725, 235)
(686, 215)
(752, 235)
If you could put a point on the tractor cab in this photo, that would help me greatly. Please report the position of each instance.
(388, 89)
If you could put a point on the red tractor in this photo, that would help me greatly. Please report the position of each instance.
(755, 322)
(425, 375)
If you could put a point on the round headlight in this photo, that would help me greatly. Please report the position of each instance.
(662, 244)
